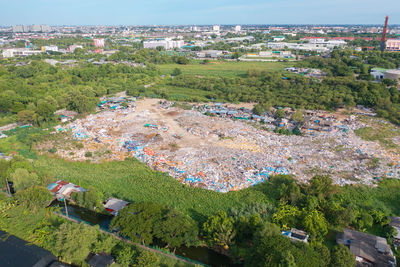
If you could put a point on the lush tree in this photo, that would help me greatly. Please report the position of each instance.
(137, 221)
(342, 257)
(176, 230)
(280, 113)
(287, 259)
(176, 72)
(297, 116)
(315, 224)
(287, 215)
(90, 199)
(126, 256)
(320, 186)
(219, 230)
(22, 179)
(27, 116)
(73, 242)
(34, 197)
(147, 259)
(45, 109)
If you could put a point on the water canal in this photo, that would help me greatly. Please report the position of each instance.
(201, 254)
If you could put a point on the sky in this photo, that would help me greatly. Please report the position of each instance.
(200, 12)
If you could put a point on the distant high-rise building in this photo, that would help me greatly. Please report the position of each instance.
(98, 42)
(238, 28)
(17, 28)
(45, 28)
(216, 28)
(33, 28)
(36, 28)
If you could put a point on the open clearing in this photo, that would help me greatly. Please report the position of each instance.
(221, 154)
(224, 68)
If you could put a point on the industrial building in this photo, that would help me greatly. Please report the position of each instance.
(21, 52)
(393, 45)
(167, 44)
(319, 45)
(210, 54)
(380, 74)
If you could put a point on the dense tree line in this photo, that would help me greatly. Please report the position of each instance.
(252, 233)
(35, 91)
(340, 88)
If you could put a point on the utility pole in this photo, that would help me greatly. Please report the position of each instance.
(8, 187)
(66, 208)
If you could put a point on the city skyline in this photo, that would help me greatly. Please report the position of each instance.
(179, 12)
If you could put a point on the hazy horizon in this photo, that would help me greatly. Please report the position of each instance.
(206, 12)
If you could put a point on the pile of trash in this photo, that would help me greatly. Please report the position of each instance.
(222, 154)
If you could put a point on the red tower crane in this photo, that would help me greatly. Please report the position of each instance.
(383, 40)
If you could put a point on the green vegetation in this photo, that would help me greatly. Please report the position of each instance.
(135, 182)
(69, 241)
(223, 68)
(381, 132)
(244, 225)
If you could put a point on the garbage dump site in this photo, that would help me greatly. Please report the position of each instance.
(224, 153)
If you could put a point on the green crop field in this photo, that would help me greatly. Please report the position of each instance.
(224, 68)
(135, 182)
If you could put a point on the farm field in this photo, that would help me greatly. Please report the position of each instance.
(224, 68)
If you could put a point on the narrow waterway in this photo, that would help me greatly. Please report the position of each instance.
(200, 254)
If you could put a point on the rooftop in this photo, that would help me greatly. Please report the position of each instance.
(17, 252)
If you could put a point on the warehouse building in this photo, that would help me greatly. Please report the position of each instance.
(167, 44)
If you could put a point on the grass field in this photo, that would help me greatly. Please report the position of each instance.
(380, 131)
(224, 68)
(135, 182)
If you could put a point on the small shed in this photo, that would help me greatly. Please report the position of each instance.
(113, 205)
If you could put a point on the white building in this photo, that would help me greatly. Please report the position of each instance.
(36, 28)
(32, 28)
(72, 48)
(47, 48)
(209, 54)
(278, 38)
(238, 28)
(167, 44)
(17, 28)
(216, 28)
(21, 52)
(317, 47)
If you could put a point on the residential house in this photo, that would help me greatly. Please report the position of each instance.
(296, 235)
(369, 250)
(63, 189)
